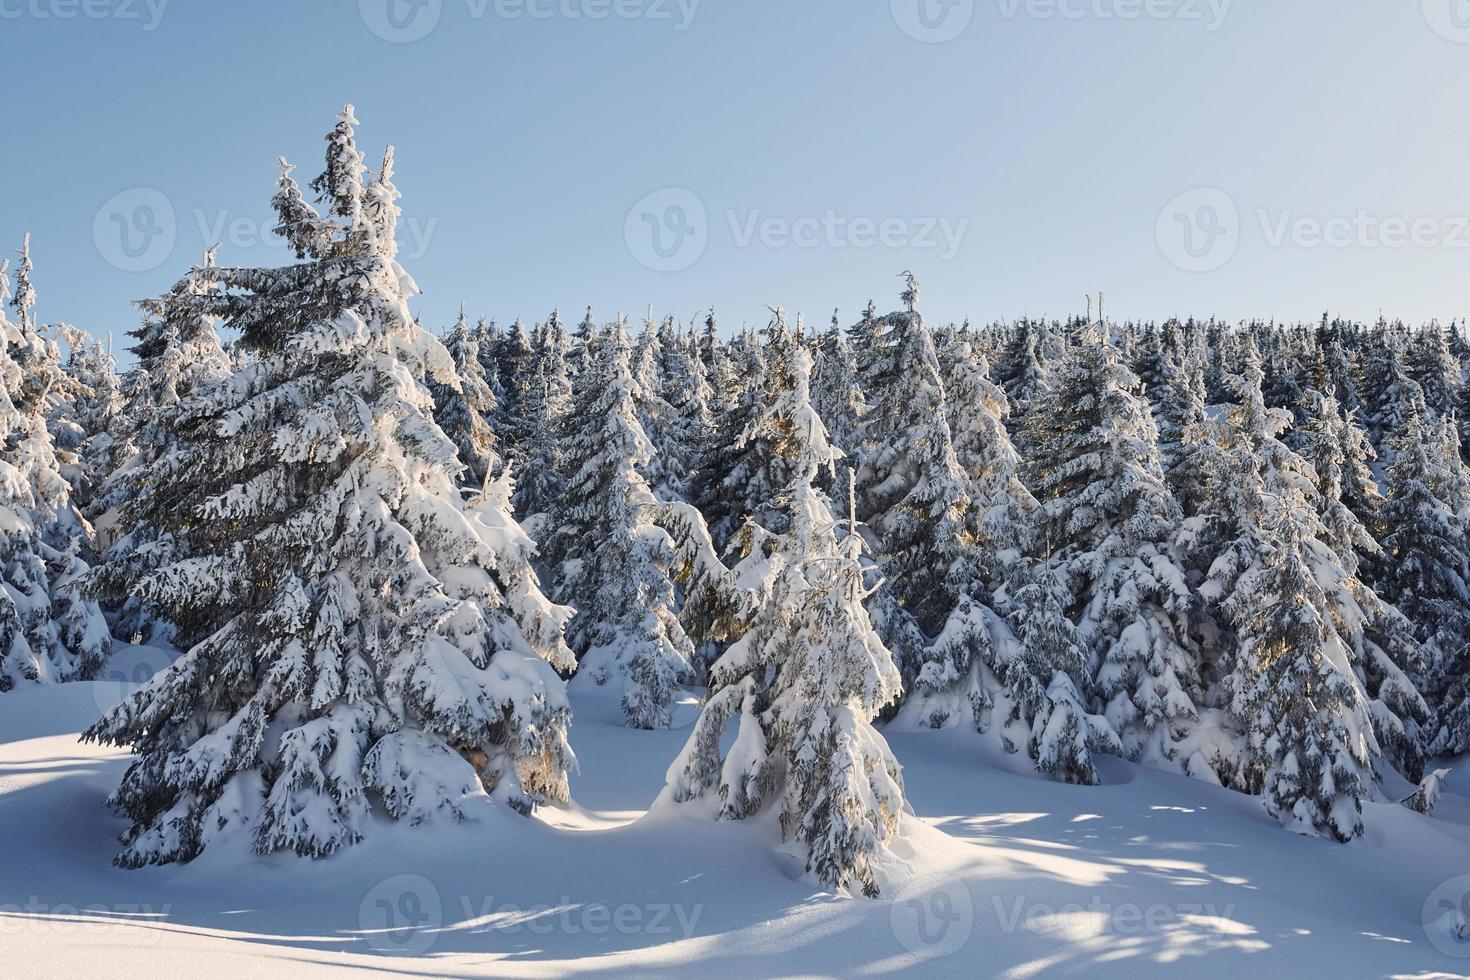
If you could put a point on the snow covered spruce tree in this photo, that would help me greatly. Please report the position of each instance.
(1008, 658)
(1424, 562)
(366, 636)
(1387, 656)
(677, 438)
(1106, 523)
(463, 410)
(977, 412)
(1045, 710)
(725, 387)
(46, 382)
(807, 675)
(837, 393)
(1430, 362)
(1390, 393)
(610, 562)
(488, 336)
(49, 630)
(688, 423)
(743, 472)
(512, 363)
(30, 651)
(1179, 402)
(1289, 673)
(40, 387)
(1021, 371)
(915, 498)
(1350, 504)
(1310, 747)
(1340, 374)
(544, 402)
(178, 355)
(90, 418)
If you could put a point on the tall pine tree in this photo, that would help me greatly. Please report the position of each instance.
(366, 637)
(1107, 523)
(610, 561)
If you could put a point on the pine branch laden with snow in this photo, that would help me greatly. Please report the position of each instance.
(363, 631)
(807, 676)
(611, 561)
(1426, 794)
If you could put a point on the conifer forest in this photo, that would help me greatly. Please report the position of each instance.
(340, 635)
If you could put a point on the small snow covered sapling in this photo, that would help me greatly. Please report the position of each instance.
(1426, 795)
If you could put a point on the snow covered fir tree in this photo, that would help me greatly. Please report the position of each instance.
(1236, 552)
(610, 561)
(1107, 524)
(50, 631)
(358, 631)
(808, 674)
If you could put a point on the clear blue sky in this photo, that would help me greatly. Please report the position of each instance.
(1048, 136)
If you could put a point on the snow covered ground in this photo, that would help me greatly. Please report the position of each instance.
(1010, 875)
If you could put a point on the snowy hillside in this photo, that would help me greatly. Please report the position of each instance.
(1013, 875)
(895, 647)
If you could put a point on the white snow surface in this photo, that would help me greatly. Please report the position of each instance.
(1007, 874)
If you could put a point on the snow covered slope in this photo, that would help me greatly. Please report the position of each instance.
(1012, 875)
